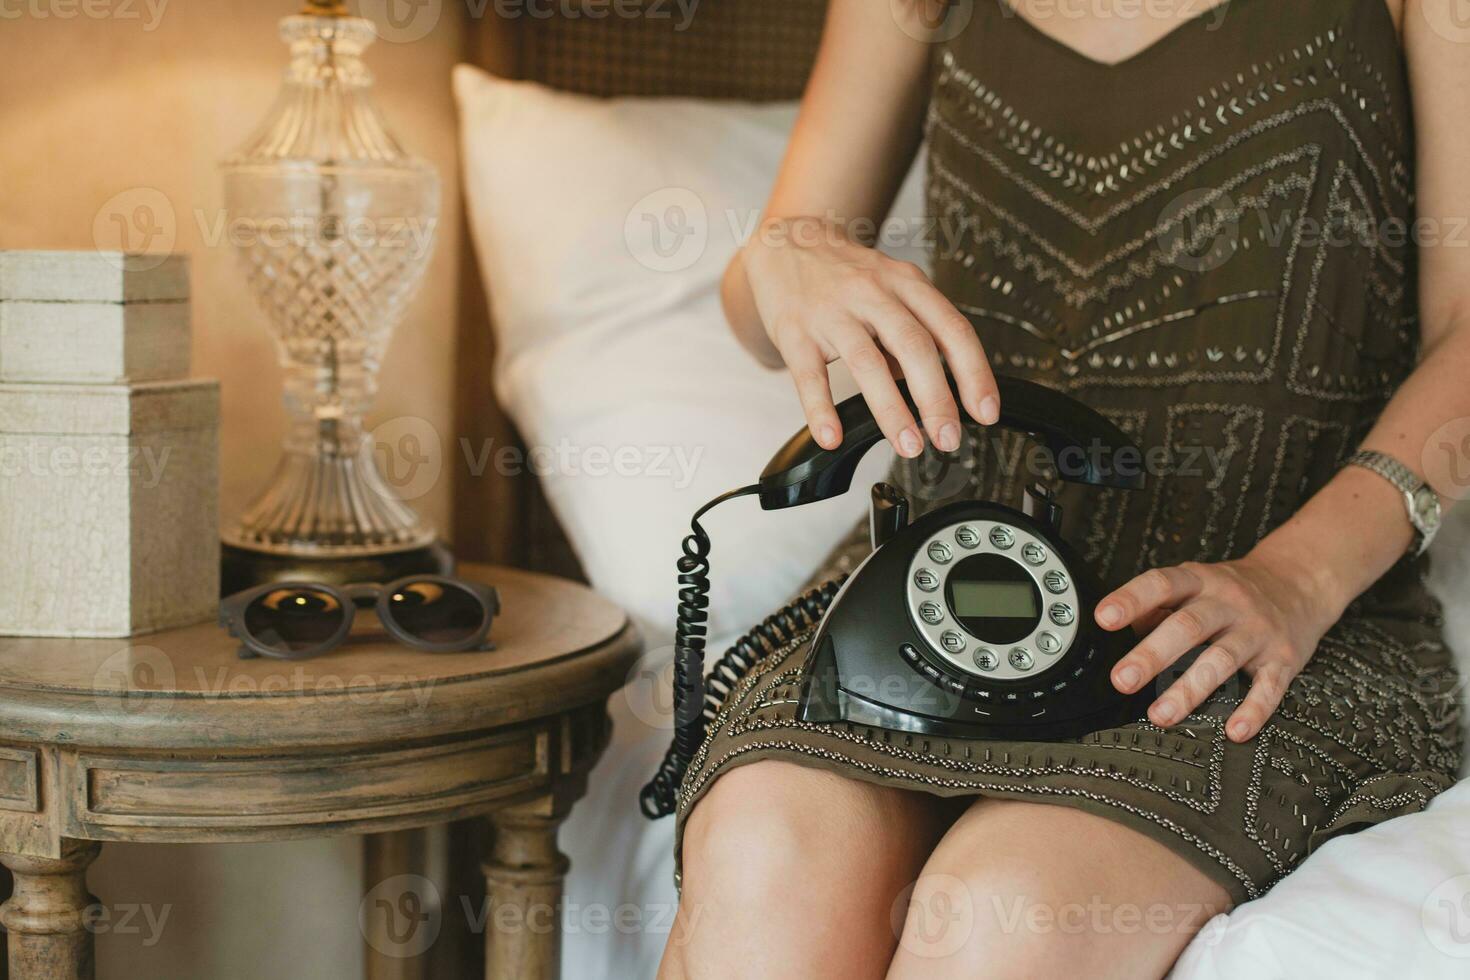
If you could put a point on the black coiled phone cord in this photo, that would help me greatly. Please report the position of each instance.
(697, 698)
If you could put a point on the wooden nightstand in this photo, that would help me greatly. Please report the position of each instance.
(169, 737)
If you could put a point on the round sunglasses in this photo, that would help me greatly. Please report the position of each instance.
(297, 620)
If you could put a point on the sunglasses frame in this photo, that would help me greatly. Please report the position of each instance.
(232, 615)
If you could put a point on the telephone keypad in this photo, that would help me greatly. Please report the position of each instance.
(958, 644)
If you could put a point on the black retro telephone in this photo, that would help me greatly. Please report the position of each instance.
(973, 621)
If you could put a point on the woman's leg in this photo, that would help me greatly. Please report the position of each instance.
(791, 871)
(1031, 890)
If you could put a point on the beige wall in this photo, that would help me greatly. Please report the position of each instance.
(92, 108)
(95, 108)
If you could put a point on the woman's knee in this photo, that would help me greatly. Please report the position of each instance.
(793, 872)
(761, 823)
(1023, 889)
(749, 832)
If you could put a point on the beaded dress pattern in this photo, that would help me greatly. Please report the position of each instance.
(1208, 243)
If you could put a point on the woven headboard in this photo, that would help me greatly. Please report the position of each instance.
(734, 49)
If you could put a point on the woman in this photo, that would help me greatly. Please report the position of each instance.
(1197, 220)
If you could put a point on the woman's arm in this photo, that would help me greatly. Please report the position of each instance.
(1266, 612)
(807, 289)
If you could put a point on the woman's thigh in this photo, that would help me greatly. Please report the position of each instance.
(1019, 889)
(793, 871)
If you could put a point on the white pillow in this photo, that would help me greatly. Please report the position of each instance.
(602, 229)
(1389, 901)
(611, 338)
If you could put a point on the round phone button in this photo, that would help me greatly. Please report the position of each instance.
(966, 536)
(931, 612)
(925, 579)
(1048, 642)
(986, 659)
(940, 552)
(1002, 537)
(1034, 553)
(1061, 614)
(952, 641)
(1055, 581)
(1021, 659)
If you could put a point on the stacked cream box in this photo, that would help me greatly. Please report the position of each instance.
(109, 457)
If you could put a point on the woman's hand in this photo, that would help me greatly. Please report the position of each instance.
(1262, 614)
(821, 296)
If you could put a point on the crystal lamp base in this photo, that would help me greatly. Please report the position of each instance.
(326, 504)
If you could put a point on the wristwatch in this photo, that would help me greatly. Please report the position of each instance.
(1419, 497)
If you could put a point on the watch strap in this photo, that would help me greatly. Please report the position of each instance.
(1387, 467)
(1405, 480)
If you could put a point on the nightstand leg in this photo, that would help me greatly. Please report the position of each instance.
(46, 914)
(395, 949)
(524, 880)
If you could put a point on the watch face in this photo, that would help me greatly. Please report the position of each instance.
(1426, 509)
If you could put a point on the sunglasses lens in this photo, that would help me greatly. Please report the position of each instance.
(437, 612)
(294, 620)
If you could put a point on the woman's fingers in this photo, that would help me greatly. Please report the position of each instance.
(882, 336)
(809, 373)
(1145, 593)
(1212, 668)
(907, 341)
(875, 380)
(1268, 687)
(1146, 623)
(1186, 628)
(959, 343)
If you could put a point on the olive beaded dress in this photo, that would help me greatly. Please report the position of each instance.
(1207, 243)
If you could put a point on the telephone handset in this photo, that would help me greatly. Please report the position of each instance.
(972, 621)
(1076, 437)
